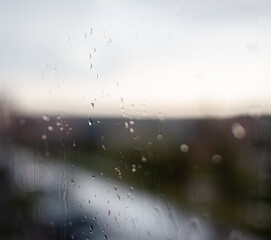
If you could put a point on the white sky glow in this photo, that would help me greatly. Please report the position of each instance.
(169, 58)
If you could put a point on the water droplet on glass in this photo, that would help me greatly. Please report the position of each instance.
(73, 143)
(105, 237)
(90, 66)
(159, 137)
(90, 121)
(50, 128)
(109, 212)
(144, 159)
(238, 130)
(89, 55)
(132, 122)
(132, 130)
(72, 236)
(133, 168)
(184, 148)
(43, 137)
(217, 158)
(92, 105)
(22, 121)
(91, 228)
(126, 125)
(45, 117)
(93, 176)
(109, 41)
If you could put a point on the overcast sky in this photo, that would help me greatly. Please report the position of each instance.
(170, 58)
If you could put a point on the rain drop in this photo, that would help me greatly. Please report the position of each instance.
(50, 128)
(90, 122)
(43, 137)
(45, 117)
(217, 158)
(159, 137)
(144, 159)
(184, 148)
(91, 228)
(133, 168)
(238, 130)
(72, 236)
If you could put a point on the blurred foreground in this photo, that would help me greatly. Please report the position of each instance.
(79, 178)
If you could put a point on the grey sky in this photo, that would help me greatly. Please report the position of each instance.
(194, 56)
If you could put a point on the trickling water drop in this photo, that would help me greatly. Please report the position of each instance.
(72, 236)
(91, 228)
(90, 121)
